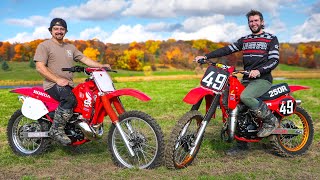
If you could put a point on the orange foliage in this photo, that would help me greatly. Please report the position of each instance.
(91, 53)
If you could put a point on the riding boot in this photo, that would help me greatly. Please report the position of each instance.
(270, 122)
(239, 148)
(60, 119)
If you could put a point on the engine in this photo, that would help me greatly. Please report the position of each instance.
(73, 131)
(247, 126)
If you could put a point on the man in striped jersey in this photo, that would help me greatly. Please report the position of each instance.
(260, 56)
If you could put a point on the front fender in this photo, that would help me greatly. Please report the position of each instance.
(196, 94)
(129, 92)
(294, 88)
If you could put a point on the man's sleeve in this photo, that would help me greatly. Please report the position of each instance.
(41, 54)
(77, 55)
(273, 57)
(231, 48)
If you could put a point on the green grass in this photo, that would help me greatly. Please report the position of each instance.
(93, 161)
(22, 71)
(284, 67)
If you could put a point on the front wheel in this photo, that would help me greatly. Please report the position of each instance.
(145, 137)
(293, 145)
(182, 140)
(18, 126)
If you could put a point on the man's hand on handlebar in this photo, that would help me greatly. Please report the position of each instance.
(254, 74)
(200, 59)
(106, 66)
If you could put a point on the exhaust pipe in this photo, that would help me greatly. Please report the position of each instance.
(91, 133)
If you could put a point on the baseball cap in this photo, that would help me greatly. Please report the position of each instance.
(58, 22)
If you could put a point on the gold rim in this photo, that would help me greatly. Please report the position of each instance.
(292, 146)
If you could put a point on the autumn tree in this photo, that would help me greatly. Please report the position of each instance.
(5, 51)
(91, 53)
(131, 60)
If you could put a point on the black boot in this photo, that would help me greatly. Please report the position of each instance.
(239, 148)
(60, 119)
(270, 122)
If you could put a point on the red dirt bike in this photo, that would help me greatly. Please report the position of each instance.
(135, 139)
(293, 137)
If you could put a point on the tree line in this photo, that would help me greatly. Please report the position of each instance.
(169, 53)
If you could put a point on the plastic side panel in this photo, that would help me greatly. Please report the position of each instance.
(129, 92)
(33, 108)
(196, 94)
(294, 88)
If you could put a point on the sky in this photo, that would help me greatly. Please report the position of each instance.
(125, 21)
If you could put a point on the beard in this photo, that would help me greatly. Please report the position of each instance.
(257, 30)
(59, 36)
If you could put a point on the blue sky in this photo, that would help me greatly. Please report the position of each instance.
(124, 21)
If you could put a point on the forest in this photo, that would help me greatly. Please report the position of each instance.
(151, 54)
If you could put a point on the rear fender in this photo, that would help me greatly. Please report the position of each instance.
(294, 88)
(129, 92)
(38, 92)
(196, 94)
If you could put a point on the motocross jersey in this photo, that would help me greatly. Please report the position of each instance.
(260, 52)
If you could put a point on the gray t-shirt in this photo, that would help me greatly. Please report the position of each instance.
(56, 57)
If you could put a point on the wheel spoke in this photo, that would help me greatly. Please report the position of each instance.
(143, 141)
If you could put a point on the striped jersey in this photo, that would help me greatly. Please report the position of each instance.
(260, 52)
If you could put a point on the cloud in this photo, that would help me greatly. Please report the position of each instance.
(308, 31)
(150, 9)
(127, 34)
(195, 23)
(39, 33)
(228, 32)
(93, 33)
(32, 21)
(315, 7)
(92, 10)
(169, 8)
(162, 27)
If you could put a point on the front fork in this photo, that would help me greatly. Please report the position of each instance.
(205, 121)
(115, 120)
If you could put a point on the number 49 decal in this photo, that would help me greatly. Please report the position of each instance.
(287, 107)
(215, 82)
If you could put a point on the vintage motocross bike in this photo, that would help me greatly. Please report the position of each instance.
(135, 139)
(293, 136)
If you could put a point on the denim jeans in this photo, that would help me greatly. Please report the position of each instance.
(64, 95)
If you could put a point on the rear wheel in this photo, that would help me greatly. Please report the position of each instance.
(145, 138)
(182, 140)
(293, 145)
(17, 127)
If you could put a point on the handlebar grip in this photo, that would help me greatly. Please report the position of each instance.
(201, 61)
(66, 69)
(109, 70)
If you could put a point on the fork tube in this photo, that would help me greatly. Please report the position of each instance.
(196, 106)
(118, 105)
(233, 122)
(124, 138)
(205, 122)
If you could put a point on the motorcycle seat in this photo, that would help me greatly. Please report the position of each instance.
(275, 91)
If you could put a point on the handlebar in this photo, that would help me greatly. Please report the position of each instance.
(86, 69)
(222, 66)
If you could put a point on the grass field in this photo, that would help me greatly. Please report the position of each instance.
(93, 161)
